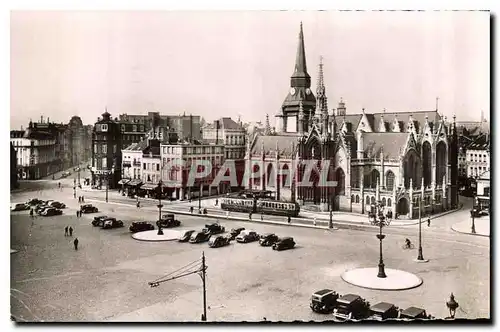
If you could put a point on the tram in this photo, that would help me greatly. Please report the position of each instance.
(261, 202)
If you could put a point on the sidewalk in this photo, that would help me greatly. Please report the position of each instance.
(482, 226)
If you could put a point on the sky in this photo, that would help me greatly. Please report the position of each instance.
(239, 63)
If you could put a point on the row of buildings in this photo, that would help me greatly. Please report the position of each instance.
(45, 147)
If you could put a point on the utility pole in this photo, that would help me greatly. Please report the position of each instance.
(203, 275)
(107, 185)
(199, 197)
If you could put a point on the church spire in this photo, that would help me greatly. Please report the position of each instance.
(300, 76)
(267, 130)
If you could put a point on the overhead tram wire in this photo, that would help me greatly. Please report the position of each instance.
(185, 270)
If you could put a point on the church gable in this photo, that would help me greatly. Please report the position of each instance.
(395, 125)
(364, 124)
(411, 143)
(382, 125)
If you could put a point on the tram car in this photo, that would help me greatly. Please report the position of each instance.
(259, 202)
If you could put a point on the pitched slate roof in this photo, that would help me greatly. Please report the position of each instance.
(269, 142)
(138, 146)
(353, 119)
(391, 143)
(228, 123)
(481, 143)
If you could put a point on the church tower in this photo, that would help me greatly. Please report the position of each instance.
(300, 92)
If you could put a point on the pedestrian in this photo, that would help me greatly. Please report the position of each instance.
(261, 217)
(191, 209)
(250, 216)
(289, 220)
(77, 213)
(59, 184)
(429, 222)
(79, 199)
(216, 202)
(138, 204)
(83, 199)
(66, 231)
(70, 231)
(31, 213)
(227, 214)
(76, 243)
(314, 221)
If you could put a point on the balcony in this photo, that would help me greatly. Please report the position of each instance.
(136, 163)
(126, 164)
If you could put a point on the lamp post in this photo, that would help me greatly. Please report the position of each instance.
(420, 257)
(381, 222)
(159, 190)
(452, 306)
(199, 197)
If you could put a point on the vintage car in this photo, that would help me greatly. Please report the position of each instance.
(218, 241)
(268, 239)
(247, 236)
(51, 212)
(414, 313)
(383, 310)
(351, 307)
(284, 243)
(324, 301)
(65, 174)
(112, 223)
(34, 201)
(168, 220)
(140, 226)
(236, 231)
(89, 208)
(21, 207)
(57, 205)
(214, 228)
(198, 237)
(40, 209)
(186, 236)
(97, 221)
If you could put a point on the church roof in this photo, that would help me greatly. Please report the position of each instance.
(300, 95)
(300, 60)
(391, 143)
(269, 143)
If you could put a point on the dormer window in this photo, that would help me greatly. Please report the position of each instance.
(104, 127)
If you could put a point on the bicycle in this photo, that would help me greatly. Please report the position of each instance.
(408, 247)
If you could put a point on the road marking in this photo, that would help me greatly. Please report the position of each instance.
(24, 304)
(17, 290)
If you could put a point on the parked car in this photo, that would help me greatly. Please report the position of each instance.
(39, 209)
(51, 212)
(167, 221)
(89, 208)
(112, 223)
(198, 237)
(351, 307)
(21, 207)
(383, 310)
(65, 174)
(284, 243)
(57, 205)
(268, 239)
(247, 236)
(324, 301)
(236, 231)
(218, 241)
(98, 221)
(186, 236)
(214, 228)
(414, 313)
(140, 226)
(34, 201)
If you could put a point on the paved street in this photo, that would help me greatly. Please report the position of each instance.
(106, 279)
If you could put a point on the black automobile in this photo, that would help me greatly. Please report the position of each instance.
(34, 201)
(284, 243)
(141, 226)
(414, 313)
(213, 229)
(89, 208)
(40, 209)
(186, 236)
(98, 221)
(51, 212)
(247, 236)
(383, 310)
(198, 237)
(351, 307)
(57, 205)
(111, 223)
(324, 301)
(268, 239)
(236, 231)
(21, 207)
(167, 221)
(219, 241)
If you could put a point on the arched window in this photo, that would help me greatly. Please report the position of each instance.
(373, 200)
(389, 202)
(357, 198)
(383, 201)
(367, 200)
(389, 180)
(352, 198)
(375, 175)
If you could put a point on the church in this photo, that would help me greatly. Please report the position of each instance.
(391, 158)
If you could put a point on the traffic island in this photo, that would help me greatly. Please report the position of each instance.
(395, 280)
(481, 226)
(168, 235)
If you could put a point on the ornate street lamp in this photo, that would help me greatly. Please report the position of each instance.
(159, 191)
(380, 220)
(452, 305)
(420, 257)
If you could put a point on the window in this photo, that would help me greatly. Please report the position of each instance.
(367, 200)
(144, 165)
(142, 128)
(104, 127)
(157, 167)
(114, 148)
(95, 148)
(357, 198)
(134, 128)
(389, 202)
(123, 127)
(104, 162)
(104, 148)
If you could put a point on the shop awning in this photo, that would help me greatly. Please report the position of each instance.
(134, 182)
(149, 186)
(124, 181)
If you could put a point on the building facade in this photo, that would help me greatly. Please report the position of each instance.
(13, 167)
(483, 191)
(478, 156)
(35, 152)
(106, 152)
(80, 141)
(394, 158)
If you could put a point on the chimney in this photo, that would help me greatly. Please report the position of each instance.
(216, 132)
(41, 118)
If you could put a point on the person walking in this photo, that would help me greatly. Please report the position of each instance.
(75, 243)
(70, 231)
(31, 214)
(429, 222)
(227, 214)
(138, 204)
(261, 217)
(216, 202)
(250, 216)
(314, 221)
(83, 199)
(66, 231)
(289, 220)
(191, 209)
(78, 213)
(79, 199)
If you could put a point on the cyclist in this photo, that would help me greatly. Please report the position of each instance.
(407, 243)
